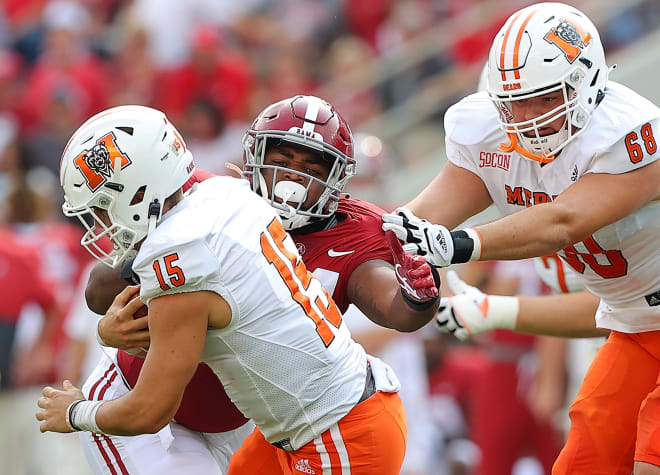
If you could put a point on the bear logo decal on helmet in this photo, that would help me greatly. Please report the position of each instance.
(570, 39)
(97, 163)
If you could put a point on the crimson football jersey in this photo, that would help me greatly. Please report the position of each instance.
(331, 255)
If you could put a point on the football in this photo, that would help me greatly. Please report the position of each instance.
(141, 312)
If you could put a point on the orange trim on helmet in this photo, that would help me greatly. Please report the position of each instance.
(506, 37)
(514, 146)
(516, 49)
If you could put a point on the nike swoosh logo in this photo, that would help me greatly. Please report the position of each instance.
(333, 253)
(402, 280)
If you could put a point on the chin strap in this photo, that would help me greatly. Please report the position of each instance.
(153, 214)
(514, 146)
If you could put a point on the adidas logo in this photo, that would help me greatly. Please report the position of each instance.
(574, 176)
(653, 299)
(304, 467)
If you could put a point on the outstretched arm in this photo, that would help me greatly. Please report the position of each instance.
(470, 312)
(546, 228)
(176, 346)
(565, 315)
(404, 297)
(535, 231)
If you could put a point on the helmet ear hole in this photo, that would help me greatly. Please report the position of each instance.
(138, 197)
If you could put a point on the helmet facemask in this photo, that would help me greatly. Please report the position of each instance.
(122, 238)
(526, 136)
(288, 197)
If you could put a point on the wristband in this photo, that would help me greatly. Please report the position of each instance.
(68, 414)
(82, 415)
(467, 246)
(503, 311)
(476, 241)
(418, 306)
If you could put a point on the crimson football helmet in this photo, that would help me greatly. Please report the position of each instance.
(312, 123)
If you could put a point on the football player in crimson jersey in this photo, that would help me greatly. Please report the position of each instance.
(570, 159)
(298, 156)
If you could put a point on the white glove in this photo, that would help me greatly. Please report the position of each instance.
(470, 311)
(557, 274)
(432, 241)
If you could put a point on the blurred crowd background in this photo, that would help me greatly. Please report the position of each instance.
(391, 67)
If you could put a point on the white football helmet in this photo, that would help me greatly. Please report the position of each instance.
(126, 160)
(541, 49)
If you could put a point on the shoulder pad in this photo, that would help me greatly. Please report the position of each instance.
(634, 150)
(180, 267)
(621, 112)
(472, 120)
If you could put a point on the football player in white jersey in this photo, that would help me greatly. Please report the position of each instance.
(225, 285)
(570, 159)
(295, 141)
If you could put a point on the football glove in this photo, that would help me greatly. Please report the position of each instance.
(439, 246)
(557, 274)
(418, 280)
(470, 311)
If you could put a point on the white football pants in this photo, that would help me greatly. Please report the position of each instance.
(174, 450)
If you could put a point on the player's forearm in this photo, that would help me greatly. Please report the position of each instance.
(438, 202)
(538, 231)
(409, 317)
(565, 315)
(380, 299)
(136, 413)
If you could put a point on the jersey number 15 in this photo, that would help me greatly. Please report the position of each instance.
(299, 281)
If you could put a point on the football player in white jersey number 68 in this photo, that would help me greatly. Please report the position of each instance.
(571, 160)
(224, 285)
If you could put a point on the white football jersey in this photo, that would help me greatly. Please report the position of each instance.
(287, 359)
(620, 262)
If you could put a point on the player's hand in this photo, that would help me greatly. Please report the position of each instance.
(53, 406)
(431, 241)
(418, 280)
(557, 274)
(125, 324)
(470, 311)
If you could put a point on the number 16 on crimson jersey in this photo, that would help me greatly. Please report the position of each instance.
(304, 287)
